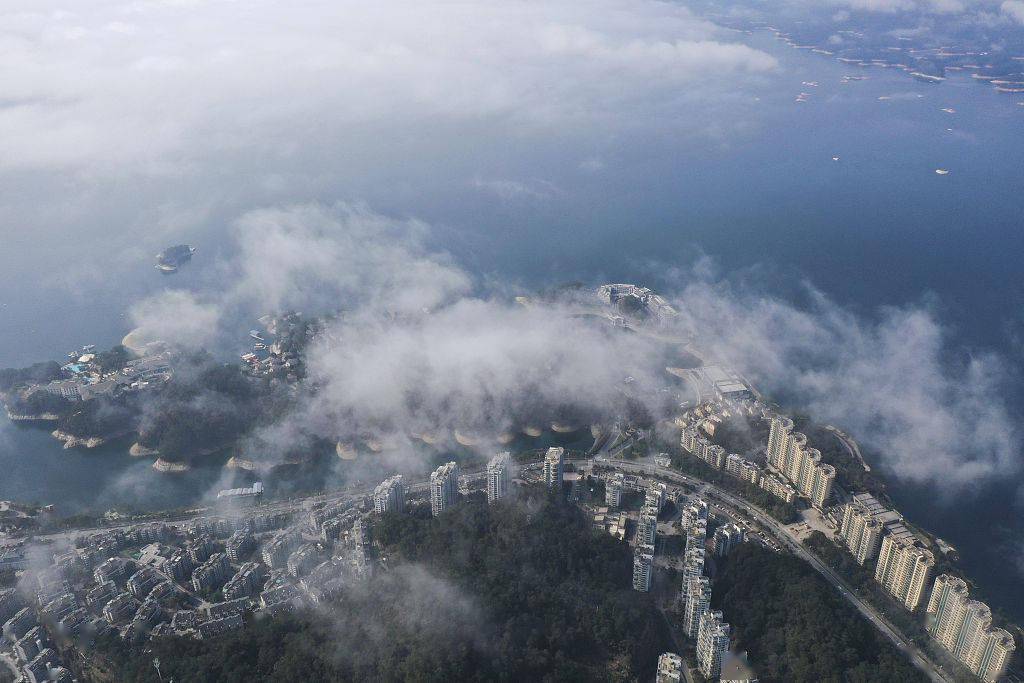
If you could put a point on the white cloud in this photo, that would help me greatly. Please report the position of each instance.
(1013, 9)
(161, 86)
(893, 381)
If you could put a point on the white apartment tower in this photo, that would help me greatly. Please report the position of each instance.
(646, 529)
(693, 567)
(861, 532)
(964, 627)
(444, 487)
(712, 644)
(789, 455)
(613, 490)
(904, 566)
(698, 601)
(389, 496)
(499, 476)
(553, 466)
(642, 567)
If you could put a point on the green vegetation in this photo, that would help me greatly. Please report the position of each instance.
(797, 628)
(114, 358)
(850, 474)
(39, 372)
(520, 591)
(99, 417)
(202, 409)
(39, 403)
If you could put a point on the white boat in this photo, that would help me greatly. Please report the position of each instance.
(942, 171)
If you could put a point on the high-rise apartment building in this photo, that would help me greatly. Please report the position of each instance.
(789, 455)
(698, 602)
(712, 644)
(727, 537)
(553, 468)
(643, 566)
(964, 627)
(444, 487)
(864, 519)
(389, 496)
(613, 490)
(904, 565)
(499, 476)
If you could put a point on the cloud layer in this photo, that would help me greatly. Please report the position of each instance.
(893, 380)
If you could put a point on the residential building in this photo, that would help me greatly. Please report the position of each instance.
(964, 628)
(864, 519)
(240, 545)
(389, 496)
(553, 467)
(499, 476)
(778, 488)
(727, 537)
(712, 644)
(613, 490)
(646, 530)
(698, 602)
(246, 582)
(693, 567)
(212, 574)
(670, 668)
(121, 608)
(904, 565)
(643, 565)
(444, 487)
(789, 455)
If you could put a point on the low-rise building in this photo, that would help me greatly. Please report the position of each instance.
(670, 668)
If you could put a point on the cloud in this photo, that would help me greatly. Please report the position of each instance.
(176, 317)
(508, 190)
(179, 84)
(1013, 9)
(423, 346)
(893, 380)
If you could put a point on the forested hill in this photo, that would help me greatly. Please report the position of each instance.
(519, 591)
(797, 628)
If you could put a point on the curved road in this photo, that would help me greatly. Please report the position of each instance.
(790, 541)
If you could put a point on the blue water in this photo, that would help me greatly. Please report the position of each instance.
(878, 227)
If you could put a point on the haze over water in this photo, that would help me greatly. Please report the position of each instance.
(877, 227)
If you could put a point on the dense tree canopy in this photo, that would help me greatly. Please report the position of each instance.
(512, 592)
(797, 628)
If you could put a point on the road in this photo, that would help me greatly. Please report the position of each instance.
(789, 540)
(851, 446)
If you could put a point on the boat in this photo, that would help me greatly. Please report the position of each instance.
(835, 158)
(948, 110)
(941, 171)
(255, 334)
(172, 258)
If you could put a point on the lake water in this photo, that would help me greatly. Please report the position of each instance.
(877, 227)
